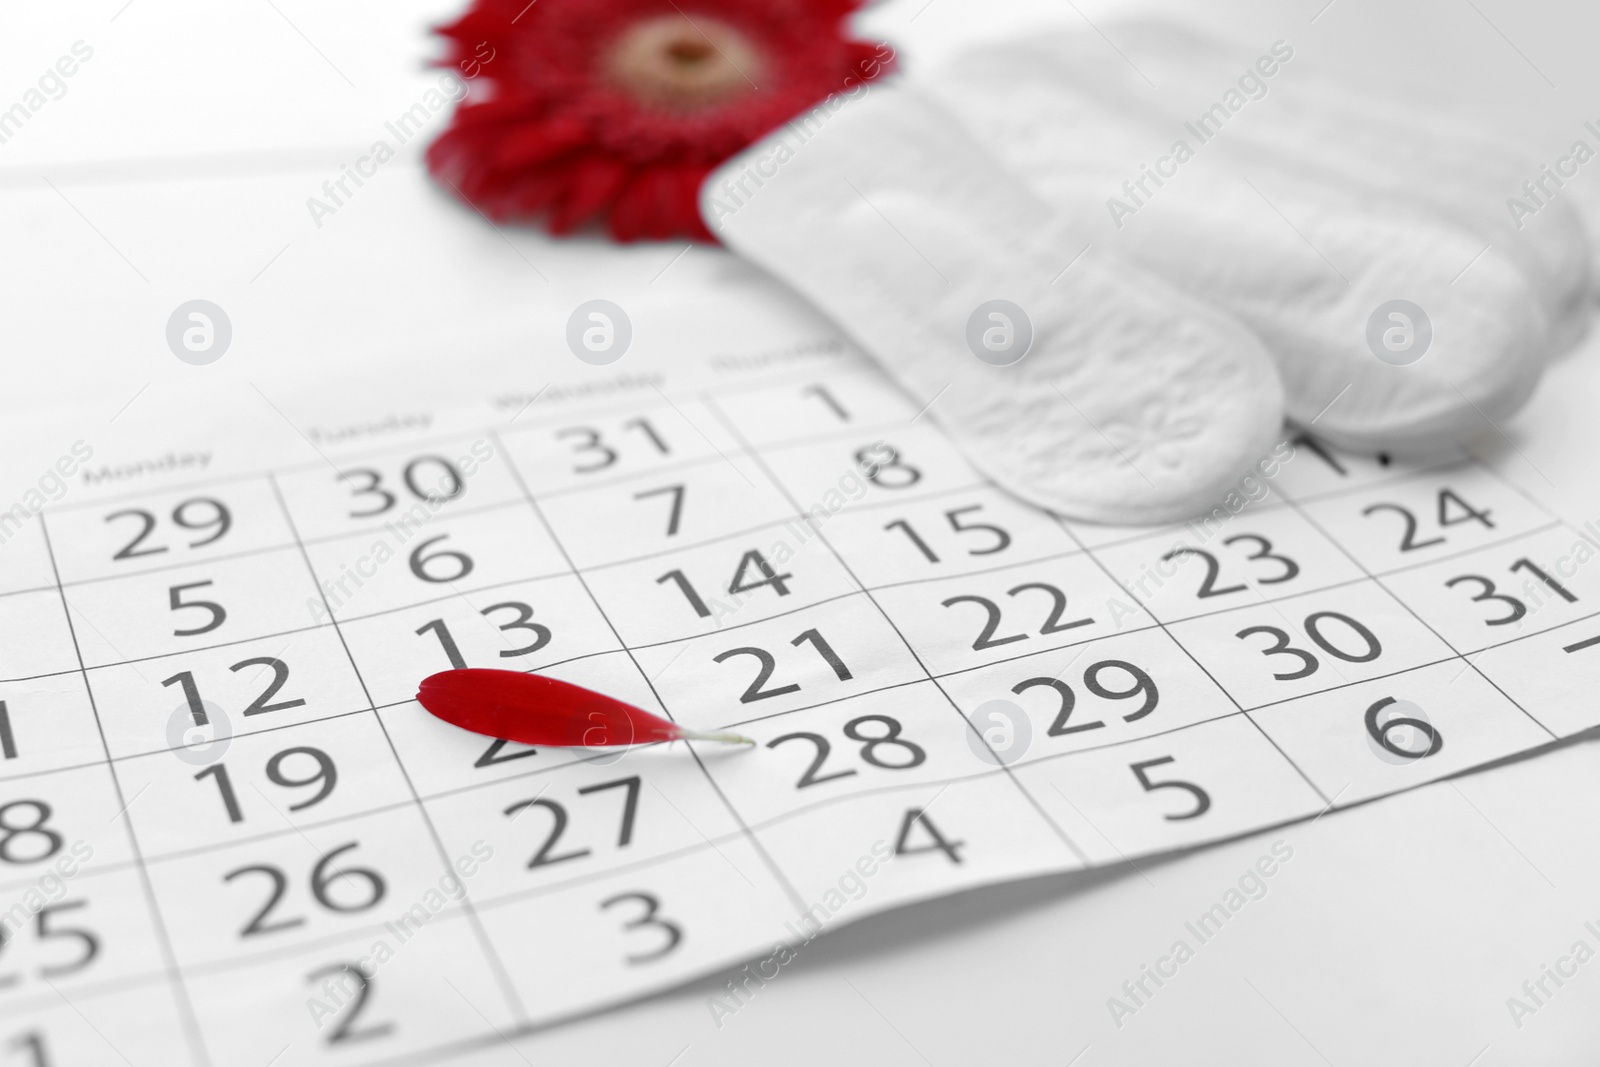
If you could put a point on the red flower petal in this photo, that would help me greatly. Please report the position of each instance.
(532, 710)
(597, 180)
(560, 139)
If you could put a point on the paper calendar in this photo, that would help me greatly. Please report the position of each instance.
(229, 834)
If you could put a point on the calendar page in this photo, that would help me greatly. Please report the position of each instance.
(229, 834)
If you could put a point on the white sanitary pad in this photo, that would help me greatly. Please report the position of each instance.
(1130, 402)
(1439, 156)
(1294, 221)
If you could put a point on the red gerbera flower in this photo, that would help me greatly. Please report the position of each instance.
(617, 109)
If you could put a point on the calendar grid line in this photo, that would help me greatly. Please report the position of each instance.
(455, 594)
(521, 428)
(1469, 462)
(47, 674)
(744, 449)
(1366, 577)
(891, 687)
(132, 660)
(855, 507)
(265, 730)
(506, 899)
(1159, 535)
(796, 464)
(738, 535)
(1399, 477)
(1445, 557)
(549, 768)
(225, 965)
(257, 732)
(24, 776)
(709, 442)
(1494, 471)
(631, 405)
(105, 987)
(29, 589)
(673, 467)
(1083, 550)
(842, 358)
(1370, 575)
(244, 553)
(1533, 633)
(167, 857)
(1414, 614)
(531, 892)
(96, 872)
(262, 731)
(157, 859)
(562, 1018)
(100, 870)
(702, 461)
(619, 650)
(290, 829)
(832, 801)
(772, 865)
(862, 505)
(1298, 437)
(347, 934)
(83, 617)
(703, 846)
(1266, 602)
(374, 531)
(185, 1007)
(588, 486)
(148, 753)
(1061, 834)
(999, 568)
(859, 591)
(1055, 757)
(865, 504)
(1402, 568)
(309, 946)
(63, 507)
(479, 430)
(1348, 684)
(819, 602)
(485, 946)
(865, 692)
(1560, 521)
(1210, 676)
(1442, 557)
(664, 469)
(457, 1047)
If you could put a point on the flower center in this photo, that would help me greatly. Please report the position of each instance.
(681, 64)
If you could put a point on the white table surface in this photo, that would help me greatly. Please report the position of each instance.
(177, 165)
